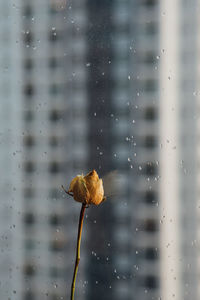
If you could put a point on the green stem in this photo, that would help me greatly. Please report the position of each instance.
(80, 226)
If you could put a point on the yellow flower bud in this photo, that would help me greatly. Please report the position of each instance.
(87, 189)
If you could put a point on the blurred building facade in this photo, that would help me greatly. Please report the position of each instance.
(39, 140)
(123, 98)
(53, 145)
(85, 89)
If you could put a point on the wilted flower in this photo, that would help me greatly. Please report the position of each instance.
(87, 189)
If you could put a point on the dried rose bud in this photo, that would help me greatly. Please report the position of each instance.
(87, 189)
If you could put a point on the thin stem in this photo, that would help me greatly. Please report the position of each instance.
(80, 226)
(68, 193)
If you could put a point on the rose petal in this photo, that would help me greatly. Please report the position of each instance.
(79, 189)
(95, 187)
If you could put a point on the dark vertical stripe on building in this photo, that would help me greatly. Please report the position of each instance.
(99, 269)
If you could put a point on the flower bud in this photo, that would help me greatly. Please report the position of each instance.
(87, 189)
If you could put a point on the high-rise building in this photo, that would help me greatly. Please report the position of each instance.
(40, 147)
(123, 88)
(53, 112)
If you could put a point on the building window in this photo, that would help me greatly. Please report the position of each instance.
(149, 3)
(151, 253)
(29, 90)
(150, 85)
(150, 225)
(53, 36)
(53, 63)
(149, 58)
(28, 38)
(27, 11)
(150, 114)
(28, 64)
(150, 169)
(53, 141)
(57, 245)
(55, 116)
(151, 282)
(54, 167)
(150, 141)
(29, 141)
(29, 219)
(150, 197)
(29, 270)
(55, 220)
(29, 167)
